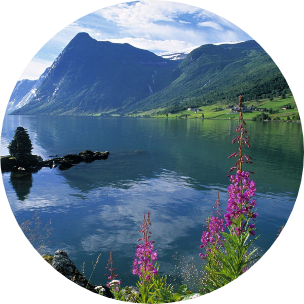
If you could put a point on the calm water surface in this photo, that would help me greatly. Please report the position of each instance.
(172, 168)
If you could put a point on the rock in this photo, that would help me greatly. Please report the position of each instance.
(104, 291)
(33, 163)
(48, 258)
(63, 264)
(8, 163)
(101, 155)
(131, 293)
(65, 165)
(73, 158)
(27, 162)
(87, 154)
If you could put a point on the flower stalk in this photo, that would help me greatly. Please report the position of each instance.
(145, 256)
(112, 283)
(143, 264)
(242, 189)
(228, 253)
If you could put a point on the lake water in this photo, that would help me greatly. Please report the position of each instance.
(172, 168)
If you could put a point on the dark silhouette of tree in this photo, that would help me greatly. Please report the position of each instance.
(21, 145)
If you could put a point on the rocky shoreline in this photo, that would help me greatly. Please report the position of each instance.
(33, 163)
(63, 264)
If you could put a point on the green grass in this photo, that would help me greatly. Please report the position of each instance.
(221, 111)
(275, 104)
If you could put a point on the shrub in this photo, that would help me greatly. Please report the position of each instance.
(21, 145)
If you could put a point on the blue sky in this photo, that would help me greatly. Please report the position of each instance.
(158, 26)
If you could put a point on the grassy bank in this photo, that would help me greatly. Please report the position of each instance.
(284, 109)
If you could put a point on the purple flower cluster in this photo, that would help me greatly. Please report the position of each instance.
(240, 202)
(145, 256)
(242, 189)
(212, 239)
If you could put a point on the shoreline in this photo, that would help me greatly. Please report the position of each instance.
(157, 117)
(233, 119)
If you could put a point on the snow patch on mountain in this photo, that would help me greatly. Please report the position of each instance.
(23, 92)
(174, 56)
(230, 42)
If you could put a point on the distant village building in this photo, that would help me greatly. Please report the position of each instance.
(244, 109)
(236, 109)
(194, 110)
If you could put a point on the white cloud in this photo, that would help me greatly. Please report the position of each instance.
(48, 53)
(160, 46)
(211, 24)
(69, 32)
(35, 68)
(145, 12)
(158, 26)
(169, 21)
(184, 22)
(167, 224)
(152, 20)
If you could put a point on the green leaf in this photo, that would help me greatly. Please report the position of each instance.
(182, 289)
(176, 297)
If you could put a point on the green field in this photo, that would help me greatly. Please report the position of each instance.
(272, 108)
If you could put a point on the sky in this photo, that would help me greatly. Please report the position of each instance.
(158, 26)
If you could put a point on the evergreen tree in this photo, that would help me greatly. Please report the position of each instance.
(21, 145)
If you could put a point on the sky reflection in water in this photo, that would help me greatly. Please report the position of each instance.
(172, 168)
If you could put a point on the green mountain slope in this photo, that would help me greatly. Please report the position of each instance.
(99, 77)
(214, 73)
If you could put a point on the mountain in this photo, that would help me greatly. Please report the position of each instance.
(99, 77)
(23, 92)
(214, 73)
(92, 76)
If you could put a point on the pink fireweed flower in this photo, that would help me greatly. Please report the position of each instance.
(242, 189)
(240, 201)
(212, 237)
(145, 256)
(240, 204)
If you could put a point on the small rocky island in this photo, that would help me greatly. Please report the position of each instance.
(22, 160)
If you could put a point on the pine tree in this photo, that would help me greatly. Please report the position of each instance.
(21, 145)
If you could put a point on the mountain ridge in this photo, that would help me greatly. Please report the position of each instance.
(100, 77)
(92, 76)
